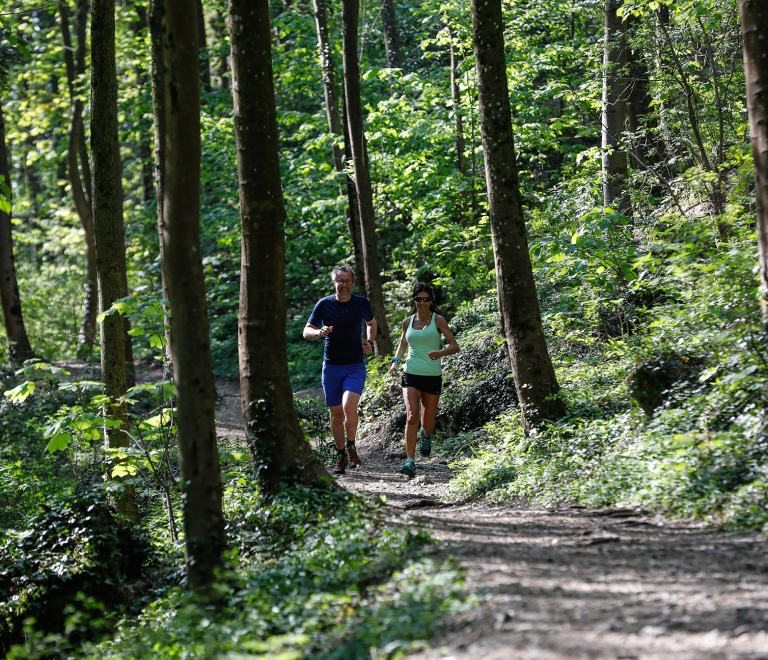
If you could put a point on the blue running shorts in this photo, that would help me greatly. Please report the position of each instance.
(340, 378)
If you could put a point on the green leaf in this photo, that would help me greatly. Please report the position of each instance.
(58, 442)
(135, 332)
(20, 393)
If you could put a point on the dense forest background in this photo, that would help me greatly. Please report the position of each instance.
(641, 227)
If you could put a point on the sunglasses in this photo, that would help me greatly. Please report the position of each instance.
(423, 300)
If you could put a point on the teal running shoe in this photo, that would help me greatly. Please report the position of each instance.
(409, 468)
(426, 445)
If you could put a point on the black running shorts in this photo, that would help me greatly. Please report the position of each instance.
(428, 384)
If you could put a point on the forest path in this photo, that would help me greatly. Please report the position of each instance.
(562, 584)
(568, 583)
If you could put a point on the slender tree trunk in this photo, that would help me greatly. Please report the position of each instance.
(205, 70)
(614, 115)
(156, 11)
(335, 127)
(534, 375)
(80, 55)
(754, 27)
(19, 348)
(461, 159)
(641, 120)
(76, 149)
(190, 332)
(391, 35)
(105, 220)
(277, 445)
(218, 24)
(350, 11)
(130, 370)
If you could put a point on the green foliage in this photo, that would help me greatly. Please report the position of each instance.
(73, 551)
(321, 575)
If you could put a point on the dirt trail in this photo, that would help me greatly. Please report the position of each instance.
(561, 584)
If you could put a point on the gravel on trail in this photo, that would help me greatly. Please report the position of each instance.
(571, 582)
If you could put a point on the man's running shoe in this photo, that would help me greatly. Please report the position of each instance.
(341, 465)
(426, 445)
(409, 468)
(354, 459)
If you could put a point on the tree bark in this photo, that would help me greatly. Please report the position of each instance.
(130, 370)
(754, 28)
(190, 332)
(534, 375)
(641, 120)
(105, 220)
(205, 70)
(614, 114)
(338, 129)
(19, 348)
(391, 35)
(77, 150)
(350, 11)
(156, 11)
(222, 67)
(276, 441)
(461, 158)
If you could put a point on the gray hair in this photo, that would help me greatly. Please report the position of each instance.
(343, 268)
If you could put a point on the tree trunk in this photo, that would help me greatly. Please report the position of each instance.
(336, 128)
(391, 35)
(218, 25)
(350, 10)
(276, 441)
(19, 348)
(205, 70)
(614, 115)
(754, 27)
(156, 11)
(76, 149)
(641, 120)
(105, 220)
(190, 332)
(534, 375)
(130, 370)
(461, 159)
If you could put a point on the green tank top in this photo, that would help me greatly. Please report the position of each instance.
(421, 342)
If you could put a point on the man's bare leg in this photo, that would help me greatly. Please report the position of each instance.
(351, 399)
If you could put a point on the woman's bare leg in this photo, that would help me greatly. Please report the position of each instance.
(428, 412)
(411, 397)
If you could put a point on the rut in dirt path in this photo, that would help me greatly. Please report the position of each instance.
(564, 584)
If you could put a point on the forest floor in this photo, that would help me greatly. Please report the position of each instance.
(567, 583)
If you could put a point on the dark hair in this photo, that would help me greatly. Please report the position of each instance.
(423, 287)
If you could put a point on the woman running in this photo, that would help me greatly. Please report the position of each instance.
(422, 380)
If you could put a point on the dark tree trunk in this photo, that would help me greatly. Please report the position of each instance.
(335, 127)
(19, 348)
(105, 219)
(391, 35)
(77, 150)
(350, 11)
(218, 24)
(156, 11)
(276, 441)
(190, 332)
(130, 370)
(754, 27)
(534, 375)
(205, 70)
(641, 120)
(461, 159)
(614, 115)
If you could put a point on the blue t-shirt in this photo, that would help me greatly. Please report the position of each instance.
(344, 345)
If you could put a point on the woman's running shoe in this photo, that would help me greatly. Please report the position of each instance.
(426, 444)
(409, 468)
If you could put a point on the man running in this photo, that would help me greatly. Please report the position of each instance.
(339, 320)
